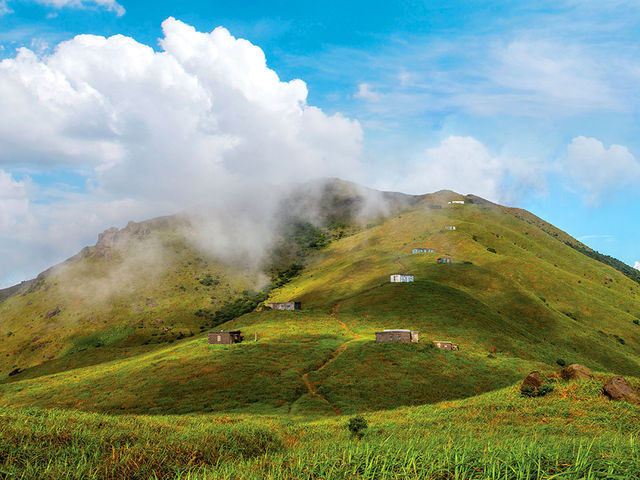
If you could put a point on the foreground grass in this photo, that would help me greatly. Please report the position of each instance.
(574, 433)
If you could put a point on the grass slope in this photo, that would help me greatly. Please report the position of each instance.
(573, 433)
(532, 301)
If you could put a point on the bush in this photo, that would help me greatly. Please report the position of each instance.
(636, 321)
(209, 281)
(561, 362)
(357, 426)
(492, 250)
(541, 391)
(545, 389)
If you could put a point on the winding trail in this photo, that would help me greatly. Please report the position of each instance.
(311, 388)
(402, 266)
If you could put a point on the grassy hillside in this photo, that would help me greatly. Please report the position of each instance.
(518, 296)
(515, 298)
(573, 433)
(143, 288)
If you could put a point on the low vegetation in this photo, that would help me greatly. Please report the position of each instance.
(114, 383)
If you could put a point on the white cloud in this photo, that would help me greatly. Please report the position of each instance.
(4, 8)
(14, 201)
(600, 171)
(464, 164)
(365, 92)
(637, 266)
(159, 131)
(110, 5)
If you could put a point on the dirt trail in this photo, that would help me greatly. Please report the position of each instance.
(336, 353)
(402, 266)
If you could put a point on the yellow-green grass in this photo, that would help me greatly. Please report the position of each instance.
(572, 433)
(533, 302)
(116, 302)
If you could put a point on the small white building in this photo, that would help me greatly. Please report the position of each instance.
(456, 202)
(398, 278)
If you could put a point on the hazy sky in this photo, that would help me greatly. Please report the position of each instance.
(115, 111)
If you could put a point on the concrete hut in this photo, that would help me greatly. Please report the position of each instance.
(423, 250)
(444, 260)
(400, 278)
(456, 202)
(445, 345)
(401, 336)
(222, 337)
(450, 227)
(285, 305)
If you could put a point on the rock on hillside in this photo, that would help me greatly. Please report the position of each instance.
(618, 388)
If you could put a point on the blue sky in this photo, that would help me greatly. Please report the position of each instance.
(532, 104)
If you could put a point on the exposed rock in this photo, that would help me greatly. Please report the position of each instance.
(533, 380)
(53, 313)
(114, 239)
(15, 372)
(576, 371)
(618, 388)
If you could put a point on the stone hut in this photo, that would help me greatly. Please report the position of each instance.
(444, 260)
(423, 250)
(226, 338)
(402, 336)
(285, 305)
(456, 202)
(399, 278)
(445, 345)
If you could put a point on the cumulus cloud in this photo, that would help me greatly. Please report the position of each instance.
(598, 170)
(365, 92)
(465, 165)
(14, 201)
(159, 131)
(637, 266)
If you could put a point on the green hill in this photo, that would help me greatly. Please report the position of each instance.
(121, 328)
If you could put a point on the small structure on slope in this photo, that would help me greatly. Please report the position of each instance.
(450, 227)
(285, 305)
(423, 250)
(444, 260)
(400, 278)
(402, 336)
(445, 345)
(222, 337)
(439, 207)
(456, 202)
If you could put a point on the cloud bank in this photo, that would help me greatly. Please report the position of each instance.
(465, 165)
(601, 171)
(154, 132)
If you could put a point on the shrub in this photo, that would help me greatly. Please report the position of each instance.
(528, 391)
(545, 389)
(561, 362)
(357, 426)
(541, 391)
(492, 250)
(209, 281)
(636, 321)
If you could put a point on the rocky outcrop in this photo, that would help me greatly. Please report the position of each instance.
(533, 380)
(114, 239)
(52, 313)
(618, 388)
(576, 371)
